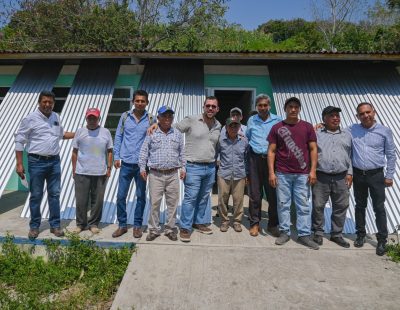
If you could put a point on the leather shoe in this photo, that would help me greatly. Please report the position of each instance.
(340, 241)
(33, 234)
(359, 243)
(57, 231)
(119, 232)
(137, 232)
(318, 239)
(381, 248)
(254, 230)
(274, 231)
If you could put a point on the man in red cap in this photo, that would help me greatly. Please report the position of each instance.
(91, 168)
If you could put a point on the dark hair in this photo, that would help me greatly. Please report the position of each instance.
(210, 98)
(46, 93)
(292, 99)
(365, 103)
(140, 92)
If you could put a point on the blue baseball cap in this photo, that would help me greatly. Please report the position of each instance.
(165, 109)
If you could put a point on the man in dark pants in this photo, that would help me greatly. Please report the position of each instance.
(373, 148)
(258, 128)
(334, 177)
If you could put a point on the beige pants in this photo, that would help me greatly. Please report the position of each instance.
(236, 189)
(163, 184)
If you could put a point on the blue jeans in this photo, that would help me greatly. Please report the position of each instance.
(126, 174)
(41, 170)
(294, 186)
(196, 206)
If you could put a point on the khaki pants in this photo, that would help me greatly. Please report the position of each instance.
(160, 184)
(236, 189)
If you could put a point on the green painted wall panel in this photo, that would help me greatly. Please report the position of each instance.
(65, 80)
(6, 80)
(128, 80)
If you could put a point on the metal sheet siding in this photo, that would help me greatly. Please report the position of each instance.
(93, 87)
(19, 101)
(345, 86)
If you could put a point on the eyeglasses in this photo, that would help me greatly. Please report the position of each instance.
(211, 106)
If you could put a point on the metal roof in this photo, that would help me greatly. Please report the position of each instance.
(19, 101)
(345, 86)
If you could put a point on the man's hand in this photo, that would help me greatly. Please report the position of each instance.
(349, 180)
(143, 174)
(246, 181)
(182, 174)
(273, 180)
(108, 173)
(151, 129)
(20, 171)
(312, 178)
(388, 182)
(117, 164)
(318, 126)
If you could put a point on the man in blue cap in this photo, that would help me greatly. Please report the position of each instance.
(163, 154)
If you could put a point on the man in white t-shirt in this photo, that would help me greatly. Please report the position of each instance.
(91, 167)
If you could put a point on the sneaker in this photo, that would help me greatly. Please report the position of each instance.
(359, 243)
(224, 227)
(172, 236)
(381, 248)
(202, 229)
(94, 229)
(184, 235)
(33, 233)
(340, 241)
(151, 236)
(76, 230)
(274, 231)
(237, 227)
(306, 241)
(282, 239)
(318, 239)
(57, 231)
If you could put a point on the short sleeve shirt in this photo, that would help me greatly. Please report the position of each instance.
(292, 151)
(92, 148)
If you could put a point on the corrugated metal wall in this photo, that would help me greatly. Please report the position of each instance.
(177, 84)
(345, 85)
(19, 101)
(93, 86)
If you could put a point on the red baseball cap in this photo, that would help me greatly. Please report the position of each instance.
(93, 111)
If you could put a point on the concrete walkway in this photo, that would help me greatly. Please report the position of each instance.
(236, 271)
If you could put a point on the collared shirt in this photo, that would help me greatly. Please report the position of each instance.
(258, 130)
(200, 140)
(372, 147)
(127, 144)
(162, 151)
(334, 151)
(39, 134)
(232, 156)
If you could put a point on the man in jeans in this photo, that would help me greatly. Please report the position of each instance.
(163, 153)
(40, 133)
(293, 153)
(131, 132)
(232, 172)
(91, 168)
(334, 177)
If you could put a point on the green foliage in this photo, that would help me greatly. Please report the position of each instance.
(393, 251)
(74, 277)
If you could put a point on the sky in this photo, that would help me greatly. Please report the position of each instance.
(252, 13)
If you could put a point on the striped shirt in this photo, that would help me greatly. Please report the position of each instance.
(162, 151)
(373, 148)
(39, 134)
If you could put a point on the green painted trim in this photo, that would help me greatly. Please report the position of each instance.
(65, 80)
(128, 80)
(6, 80)
(262, 83)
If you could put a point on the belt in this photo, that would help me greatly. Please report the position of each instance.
(261, 155)
(196, 163)
(367, 172)
(43, 157)
(165, 171)
(332, 174)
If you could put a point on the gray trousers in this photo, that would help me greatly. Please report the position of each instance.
(89, 188)
(236, 189)
(160, 184)
(333, 186)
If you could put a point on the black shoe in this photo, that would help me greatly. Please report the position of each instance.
(306, 241)
(381, 248)
(340, 241)
(318, 239)
(359, 243)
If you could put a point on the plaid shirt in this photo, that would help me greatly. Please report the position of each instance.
(163, 151)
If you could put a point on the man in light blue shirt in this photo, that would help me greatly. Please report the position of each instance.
(372, 149)
(258, 128)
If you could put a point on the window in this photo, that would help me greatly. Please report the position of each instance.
(121, 102)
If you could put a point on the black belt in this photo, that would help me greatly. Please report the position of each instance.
(43, 157)
(261, 155)
(343, 173)
(196, 163)
(367, 172)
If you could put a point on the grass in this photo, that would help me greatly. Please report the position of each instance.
(393, 251)
(78, 276)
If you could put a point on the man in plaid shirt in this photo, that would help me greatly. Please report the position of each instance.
(163, 153)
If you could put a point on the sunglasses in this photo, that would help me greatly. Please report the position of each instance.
(211, 106)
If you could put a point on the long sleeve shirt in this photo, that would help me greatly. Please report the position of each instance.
(373, 148)
(163, 151)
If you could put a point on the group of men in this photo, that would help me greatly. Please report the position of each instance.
(287, 160)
